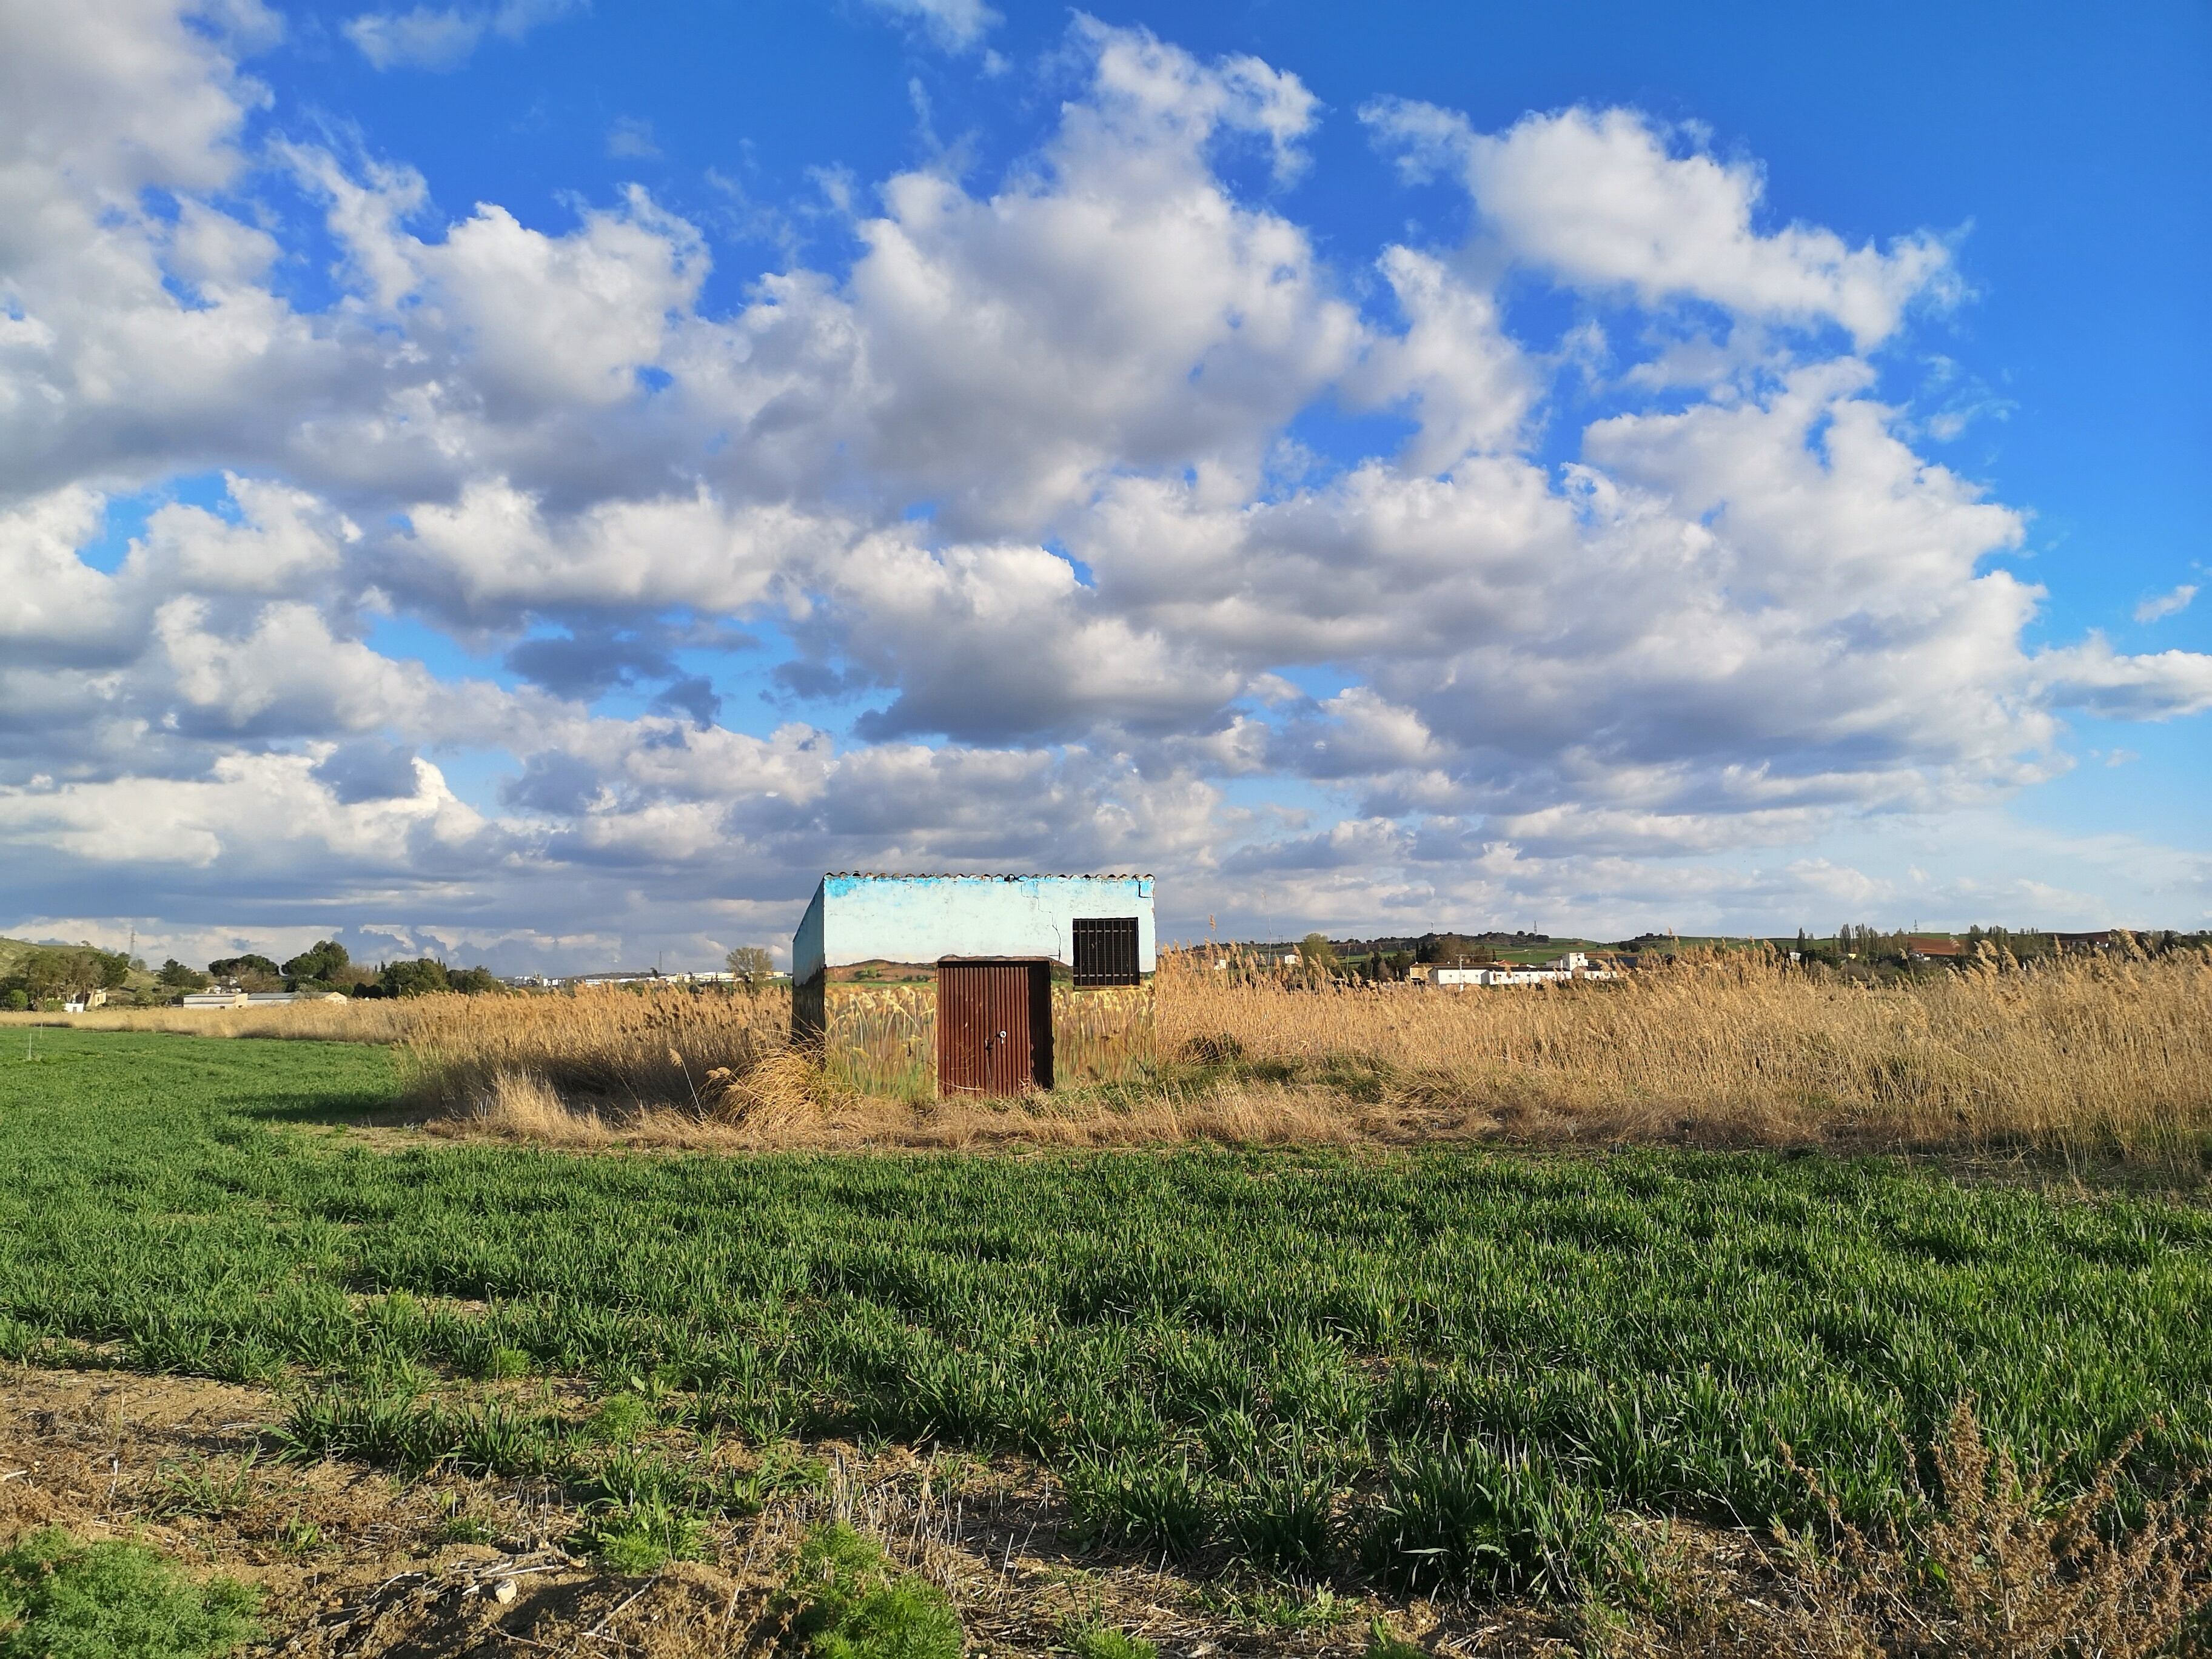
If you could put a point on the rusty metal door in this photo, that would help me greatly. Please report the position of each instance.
(993, 1027)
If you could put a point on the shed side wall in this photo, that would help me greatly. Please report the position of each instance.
(807, 957)
(926, 918)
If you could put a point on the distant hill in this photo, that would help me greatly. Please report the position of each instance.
(13, 951)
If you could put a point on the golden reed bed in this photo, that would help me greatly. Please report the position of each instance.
(2099, 1057)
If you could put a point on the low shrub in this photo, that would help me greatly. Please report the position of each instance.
(60, 1599)
(1102, 1642)
(642, 1535)
(844, 1601)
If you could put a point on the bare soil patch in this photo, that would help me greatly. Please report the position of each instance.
(354, 1562)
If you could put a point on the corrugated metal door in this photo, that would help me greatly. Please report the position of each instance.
(990, 1018)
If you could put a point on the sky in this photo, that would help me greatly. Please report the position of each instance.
(538, 483)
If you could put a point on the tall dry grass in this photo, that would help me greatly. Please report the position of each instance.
(2095, 1057)
(2100, 1055)
(613, 1051)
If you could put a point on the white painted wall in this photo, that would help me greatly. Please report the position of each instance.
(921, 918)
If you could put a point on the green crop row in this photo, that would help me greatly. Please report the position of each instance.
(1448, 1366)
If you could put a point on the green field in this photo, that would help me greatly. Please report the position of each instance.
(1449, 1365)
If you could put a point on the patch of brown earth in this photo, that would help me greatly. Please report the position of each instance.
(352, 1562)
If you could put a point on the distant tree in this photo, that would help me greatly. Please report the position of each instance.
(418, 978)
(47, 974)
(751, 965)
(1450, 948)
(1316, 951)
(254, 971)
(474, 981)
(68, 971)
(178, 977)
(325, 961)
(17, 1000)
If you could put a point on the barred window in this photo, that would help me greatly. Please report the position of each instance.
(1106, 951)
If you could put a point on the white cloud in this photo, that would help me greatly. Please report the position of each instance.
(262, 817)
(280, 540)
(996, 642)
(2154, 686)
(1021, 487)
(444, 37)
(2162, 605)
(425, 38)
(494, 556)
(1114, 306)
(565, 319)
(629, 137)
(1472, 387)
(1601, 198)
(953, 25)
(51, 601)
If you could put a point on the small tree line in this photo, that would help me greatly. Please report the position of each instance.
(326, 966)
(54, 976)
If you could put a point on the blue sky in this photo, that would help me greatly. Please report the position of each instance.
(540, 482)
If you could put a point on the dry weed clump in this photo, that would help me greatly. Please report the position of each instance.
(520, 1106)
(1995, 1567)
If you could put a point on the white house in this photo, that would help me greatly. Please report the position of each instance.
(1574, 965)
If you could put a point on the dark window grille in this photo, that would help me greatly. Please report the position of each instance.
(1106, 951)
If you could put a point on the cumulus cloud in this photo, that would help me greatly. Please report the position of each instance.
(51, 602)
(1602, 199)
(1116, 306)
(1469, 387)
(2155, 686)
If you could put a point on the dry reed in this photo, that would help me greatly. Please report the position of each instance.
(2097, 1057)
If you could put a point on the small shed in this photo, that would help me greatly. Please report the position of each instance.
(927, 984)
